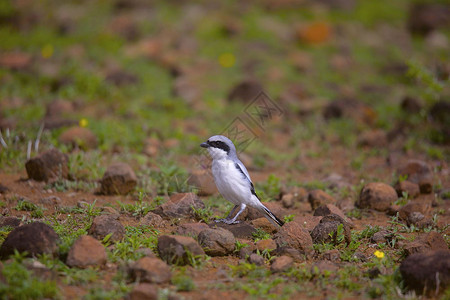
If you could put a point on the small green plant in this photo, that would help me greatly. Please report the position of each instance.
(239, 246)
(183, 282)
(203, 214)
(135, 238)
(270, 189)
(260, 234)
(289, 218)
(19, 283)
(25, 205)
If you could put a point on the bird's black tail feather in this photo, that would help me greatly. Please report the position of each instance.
(271, 217)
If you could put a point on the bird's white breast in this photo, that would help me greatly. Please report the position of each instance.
(230, 182)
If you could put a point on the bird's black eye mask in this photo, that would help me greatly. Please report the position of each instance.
(219, 145)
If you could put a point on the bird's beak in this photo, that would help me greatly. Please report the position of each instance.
(204, 145)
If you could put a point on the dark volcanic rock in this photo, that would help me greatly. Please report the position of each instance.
(330, 209)
(34, 238)
(151, 270)
(86, 252)
(174, 249)
(48, 165)
(217, 241)
(119, 179)
(377, 195)
(240, 230)
(107, 224)
(9, 221)
(427, 273)
(179, 206)
(326, 230)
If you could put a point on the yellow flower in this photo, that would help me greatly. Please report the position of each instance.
(84, 122)
(379, 254)
(47, 51)
(227, 60)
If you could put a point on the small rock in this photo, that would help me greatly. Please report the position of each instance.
(86, 252)
(427, 17)
(440, 112)
(427, 273)
(34, 238)
(411, 105)
(324, 266)
(9, 221)
(179, 206)
(318, 197)
(267, 244)
(152, 147)
(428, 242)
(59, 108)
(358, 255)
(105, 225)
(426, 186)
(332, 255)
(256, 259)
(151, 270)
(350, 108)
(79, 137)
(51, 164)
(52, 200)
(373, 272)
(203, 181)
(406, 186)
(245, 252)
(3, 189)
(121, 78)
(336, 181)
(294, 236)
(153, 220)
(264, 224)
(377, 195)
(291, 252)
(15, 60)
(415, 171)
(173, 249)
(326, 230)
(119, 179)
(330, 209)
(146, 252)
(144, 291)
(287, 200)
(191, 229)
(245, 91)
(410, 212)
(281, 264)
(379, 237)
(373, 138)
(217, 242)
(308, 222)
(240, 230)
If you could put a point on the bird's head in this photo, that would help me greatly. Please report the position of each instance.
(219, 147)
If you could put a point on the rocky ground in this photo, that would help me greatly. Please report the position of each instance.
(105, 192)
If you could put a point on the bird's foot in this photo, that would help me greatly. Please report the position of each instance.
(227, 221)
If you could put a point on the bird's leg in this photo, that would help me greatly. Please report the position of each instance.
(233, 221)
(229, 215)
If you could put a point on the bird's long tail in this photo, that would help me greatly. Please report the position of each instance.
(270, 216)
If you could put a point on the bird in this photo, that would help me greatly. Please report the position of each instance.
(233, 180)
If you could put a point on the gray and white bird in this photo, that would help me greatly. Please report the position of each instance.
(233, 181)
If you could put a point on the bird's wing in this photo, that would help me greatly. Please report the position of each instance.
(240, 166)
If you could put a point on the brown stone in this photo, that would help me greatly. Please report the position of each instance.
(119, 179)
(151, 270)
(264, 224)
(107, 225)
(144, 291)
(179, 206)
(428, 242)
(203, 181)
(34, 238)
(191, 229)
(86, 252)
(409, 212)
(267, 244)
(174, 249)
(294, 236)
(329, 209)
(51, 164)
(406, 186)
(377, 195)
(281, 264)
(79, 137)
(153, 220)
(318, 197)
(217, 241)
